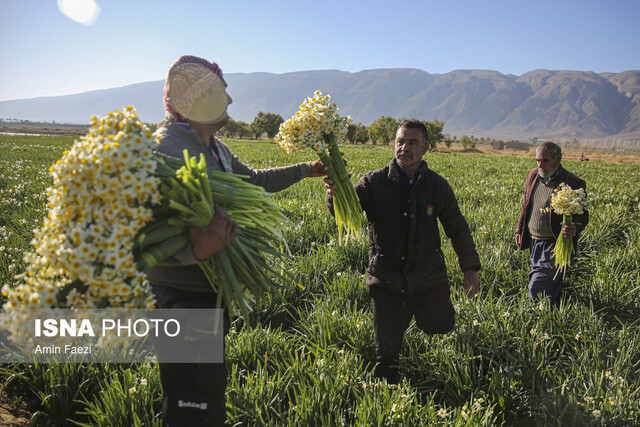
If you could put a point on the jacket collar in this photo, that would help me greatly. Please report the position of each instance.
(398, 175)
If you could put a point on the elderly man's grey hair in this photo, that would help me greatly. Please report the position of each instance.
(549, 147)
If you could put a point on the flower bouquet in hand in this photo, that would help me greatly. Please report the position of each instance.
(318, 126)
(567, 202)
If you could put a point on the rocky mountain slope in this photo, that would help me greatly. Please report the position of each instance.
(540, 103)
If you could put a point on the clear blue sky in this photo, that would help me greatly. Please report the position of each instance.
(44, 53)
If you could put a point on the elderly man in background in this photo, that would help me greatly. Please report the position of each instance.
(539, 227)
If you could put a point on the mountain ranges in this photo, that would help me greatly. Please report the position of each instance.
(541, 103)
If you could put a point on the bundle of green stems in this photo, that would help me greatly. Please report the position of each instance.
(250, 266)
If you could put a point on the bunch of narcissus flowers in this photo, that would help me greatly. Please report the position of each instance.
(117, 208)
(318, 126)
(103, 193)
(567, 202)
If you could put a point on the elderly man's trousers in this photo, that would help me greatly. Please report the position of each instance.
(543, 280)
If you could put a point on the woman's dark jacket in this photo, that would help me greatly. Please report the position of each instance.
(555, 220)
(404, 240)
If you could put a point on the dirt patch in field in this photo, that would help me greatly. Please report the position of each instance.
(14, 410)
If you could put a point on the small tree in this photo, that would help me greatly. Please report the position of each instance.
(235, 129)
(383, 129)
(434, 129)
(268, 123)
(245, 130)
(351, 132)
(362, 134)
(467, 142)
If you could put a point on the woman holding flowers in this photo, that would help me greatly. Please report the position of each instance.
(196, 102)
(539, 226)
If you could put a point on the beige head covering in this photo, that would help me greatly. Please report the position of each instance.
(195, 90)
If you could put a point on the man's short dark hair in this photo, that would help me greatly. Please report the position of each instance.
(415, 124)
(550, 147)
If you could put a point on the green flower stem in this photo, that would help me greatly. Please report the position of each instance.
(337, 161)
(564, 249)
(240, 272)
(157, 232)
(153, 254)
(339, 203)
(348, 211)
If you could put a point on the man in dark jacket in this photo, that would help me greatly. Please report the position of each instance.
(407, 275)
(539, 227)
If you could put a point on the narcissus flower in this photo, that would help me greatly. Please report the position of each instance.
(318, 126)
(567, 202)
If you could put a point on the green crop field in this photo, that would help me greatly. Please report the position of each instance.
(306, 358)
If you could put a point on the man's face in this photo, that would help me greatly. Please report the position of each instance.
(410, 147)
(547, 165)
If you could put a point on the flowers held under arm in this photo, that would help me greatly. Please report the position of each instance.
(243, 270)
